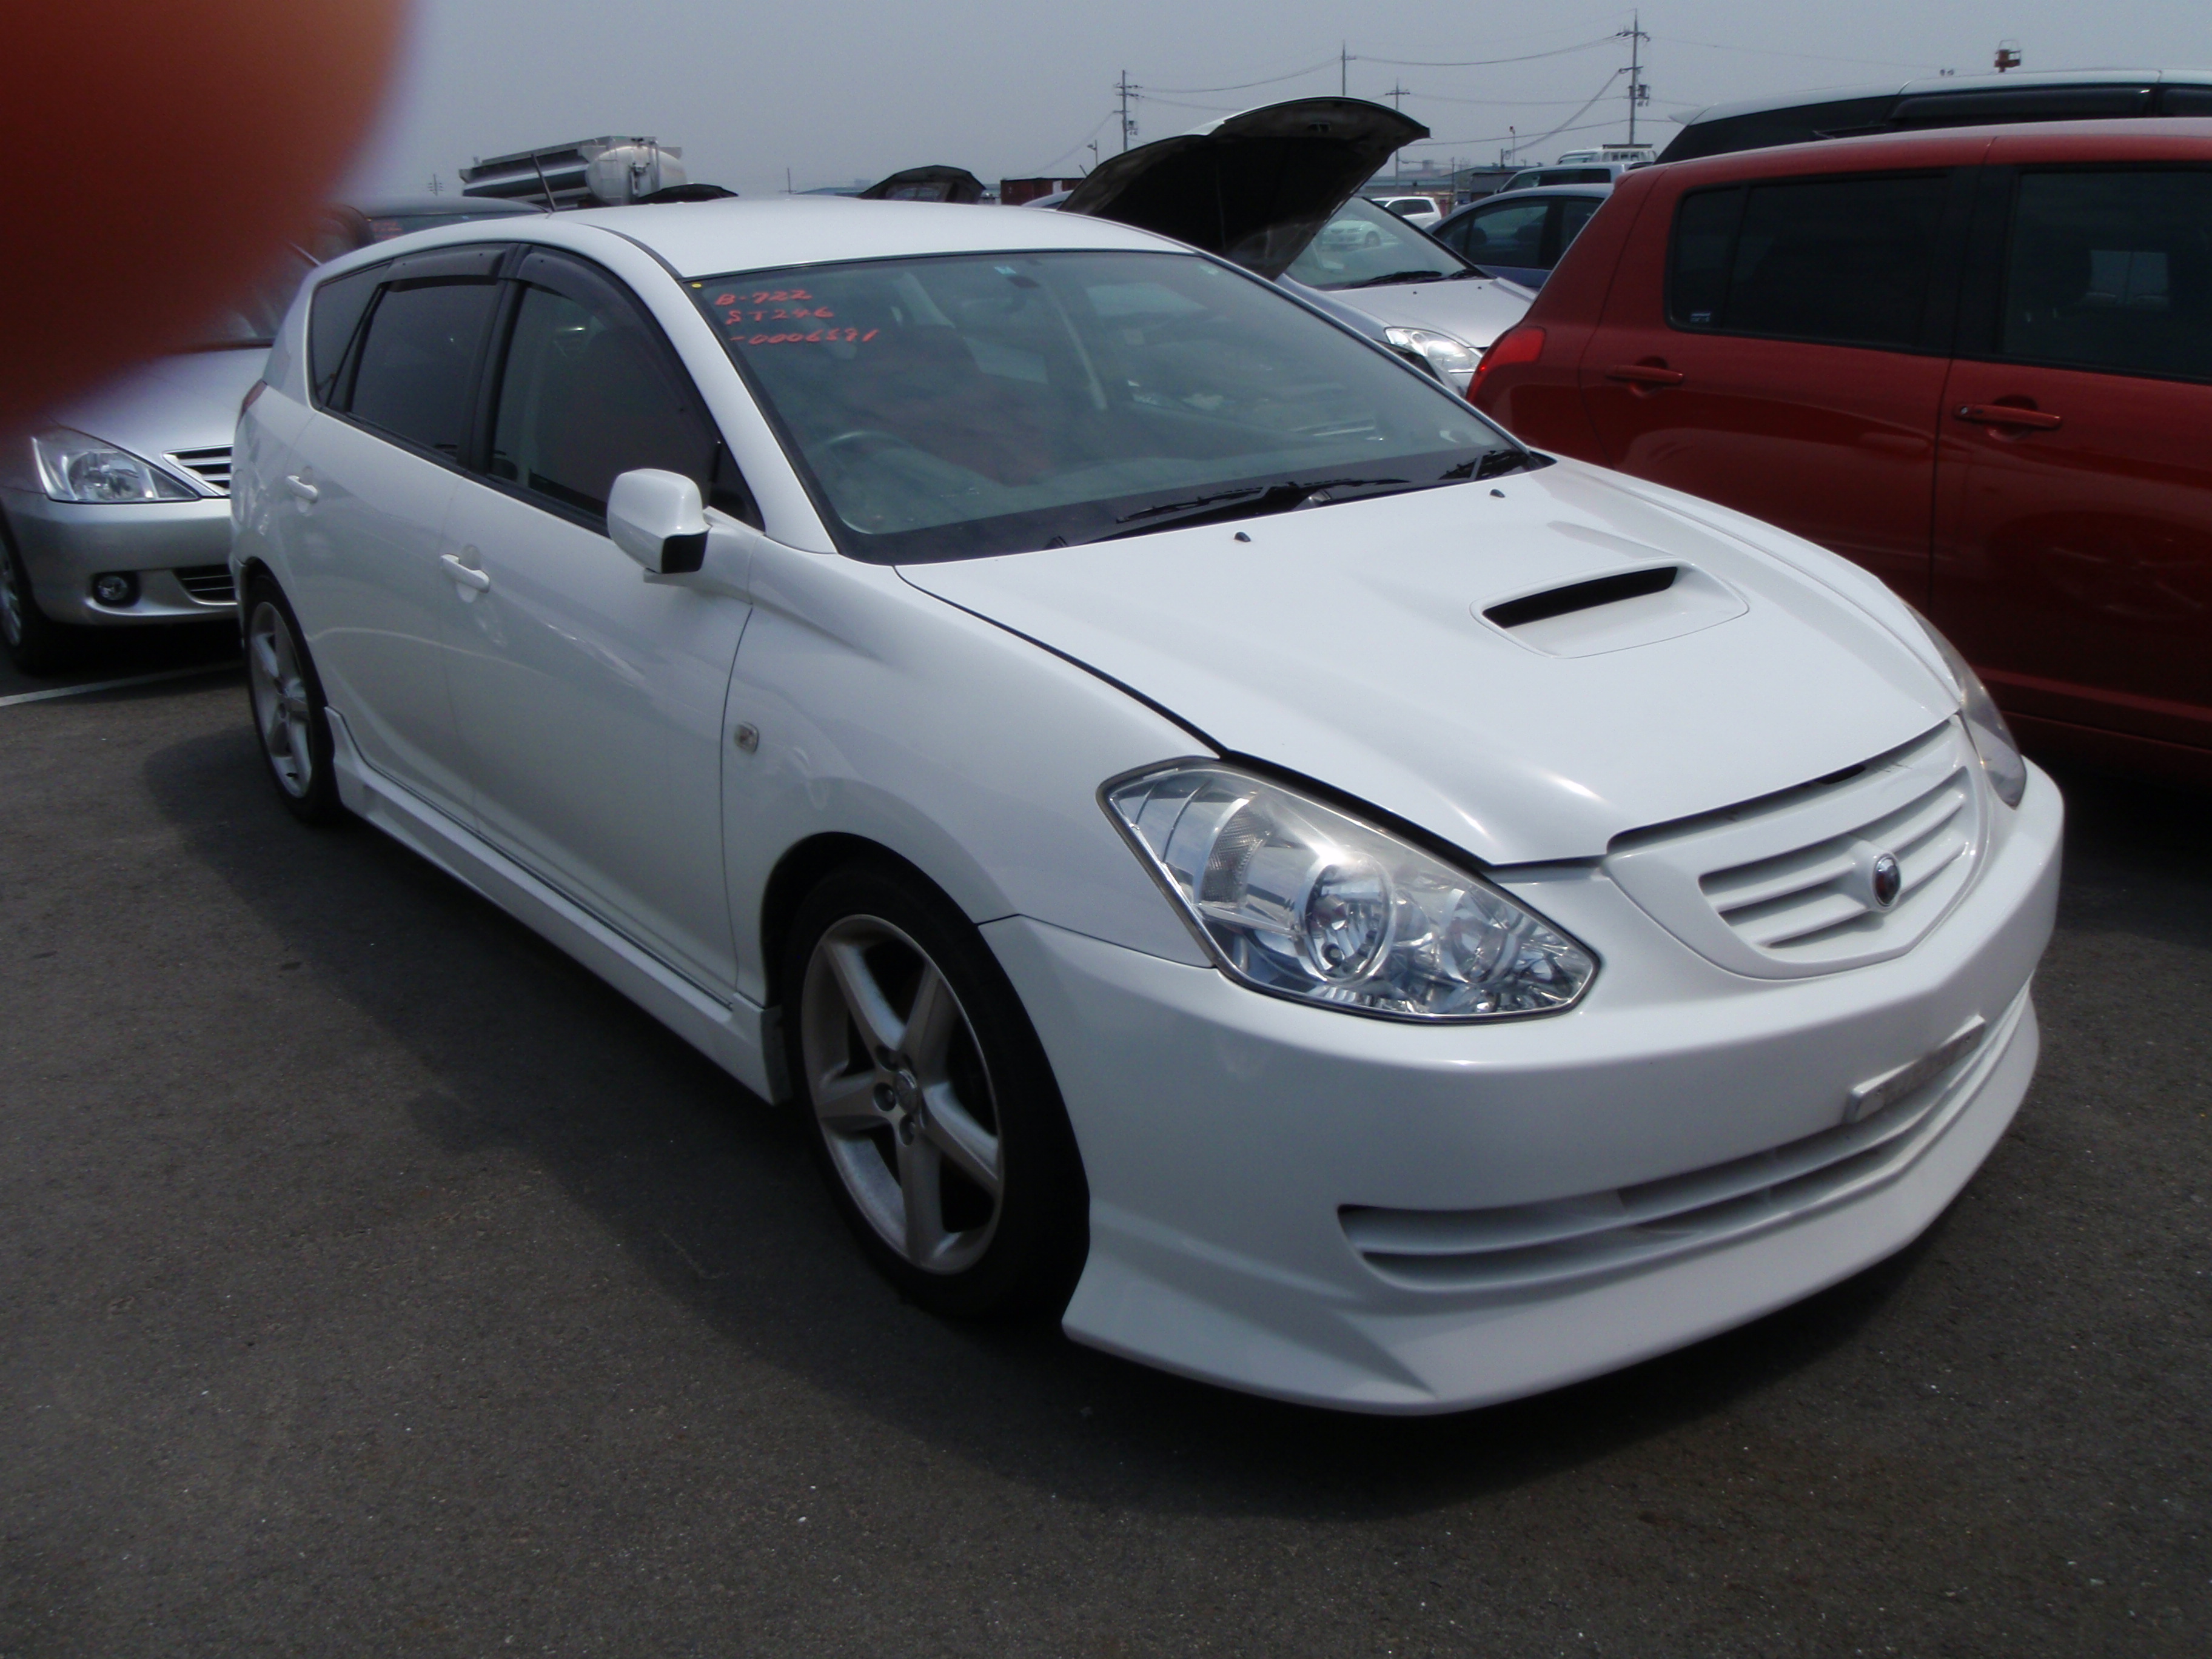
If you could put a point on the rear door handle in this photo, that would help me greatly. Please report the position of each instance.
(300, 487)
(1651, 374)
(2034, 420)
(467, 576)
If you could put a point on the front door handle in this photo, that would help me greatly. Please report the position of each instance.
(2034, 420)
(466, 575)
(1650, 375)
(300, 487)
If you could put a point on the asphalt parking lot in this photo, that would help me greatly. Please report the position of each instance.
(376, 1281)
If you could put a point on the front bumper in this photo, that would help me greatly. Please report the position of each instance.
(65, 545)
(1238, 1146)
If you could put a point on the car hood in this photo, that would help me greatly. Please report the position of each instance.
(1254, 188)
(1347, 644)
(1474, 309)
(186, 402)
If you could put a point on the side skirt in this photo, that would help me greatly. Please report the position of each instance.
(731, 1035)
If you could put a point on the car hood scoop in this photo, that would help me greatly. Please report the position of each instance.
(1255, 187)
(1353, 644)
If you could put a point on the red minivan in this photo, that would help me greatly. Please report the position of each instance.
(1977, 361)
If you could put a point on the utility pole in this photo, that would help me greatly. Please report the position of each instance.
(1344, 68)
(437, 185)
(1397, 97)
(1637, 92)
(2008, 56)
(1127, 89)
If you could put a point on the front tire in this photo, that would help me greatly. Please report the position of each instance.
(290, 715)
(933, 1114)
(35, 642)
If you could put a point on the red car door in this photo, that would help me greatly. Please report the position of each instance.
(1778, 344)
(2074, 552)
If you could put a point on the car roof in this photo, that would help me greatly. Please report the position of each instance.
(379, 207)
(2011, 81)
(2147, 136)
(1539, 190)
(705, 239)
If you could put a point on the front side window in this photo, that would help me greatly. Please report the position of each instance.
(2112, 270)
(949, 407)
(587, 394)
(1511, 233)
(417, 361)
(1840, 261)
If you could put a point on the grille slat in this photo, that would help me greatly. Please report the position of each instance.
(210, 584)
(211, 466)
(1782, 887)
(1519, 1248)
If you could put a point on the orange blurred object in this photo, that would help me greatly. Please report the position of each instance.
(160, 154)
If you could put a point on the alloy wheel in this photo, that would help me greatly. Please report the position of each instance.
(902, 1095)
(280, 700)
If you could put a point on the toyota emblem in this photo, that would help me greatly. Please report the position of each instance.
(1888, 879)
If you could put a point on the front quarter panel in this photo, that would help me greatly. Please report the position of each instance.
(887, 714)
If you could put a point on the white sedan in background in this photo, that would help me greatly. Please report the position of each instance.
(1219, 842)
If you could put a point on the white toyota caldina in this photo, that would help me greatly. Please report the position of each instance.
(1220, 841)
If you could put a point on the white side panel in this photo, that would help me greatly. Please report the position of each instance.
(730, 1034)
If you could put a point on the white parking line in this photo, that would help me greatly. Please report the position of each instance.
(114, 686)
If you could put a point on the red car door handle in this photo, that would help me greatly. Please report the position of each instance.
(2008, 415)
(1646, 374)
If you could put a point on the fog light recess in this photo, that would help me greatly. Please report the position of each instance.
(116, 588)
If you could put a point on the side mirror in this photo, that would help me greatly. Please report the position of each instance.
(658, 519)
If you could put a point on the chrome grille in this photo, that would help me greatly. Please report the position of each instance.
(1525, 1248)
(211, 466)
(1783, 887)
(210, 584)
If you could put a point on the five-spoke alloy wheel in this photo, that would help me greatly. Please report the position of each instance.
(935, 1114)
(288, 714)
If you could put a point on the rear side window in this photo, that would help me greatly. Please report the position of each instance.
(1575, 212)
(1507, 234)
(332, 316)
(1839, 261)
(2112, 270)
(416, 376)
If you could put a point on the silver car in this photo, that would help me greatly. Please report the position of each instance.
(115, 510)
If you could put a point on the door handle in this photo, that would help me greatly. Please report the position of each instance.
(1651, 374)
(2034, 420)
(300, 487)
(466, 575)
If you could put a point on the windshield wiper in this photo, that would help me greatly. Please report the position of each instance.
(1493, 464)
(1425, 276)
(1251, 503)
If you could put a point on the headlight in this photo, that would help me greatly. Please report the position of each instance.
(1300, 899)
(1993, 739)
(77, 468)
(1452, 359)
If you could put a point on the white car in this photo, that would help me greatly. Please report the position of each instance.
(1421, 210)
(1220, 841)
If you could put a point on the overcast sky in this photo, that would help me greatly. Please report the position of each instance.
(841, 90)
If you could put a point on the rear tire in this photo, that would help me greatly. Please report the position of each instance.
(932, 1112)
(36, 643)
(290, 718)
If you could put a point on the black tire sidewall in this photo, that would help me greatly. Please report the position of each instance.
(320, 804)
(47, 647)
(1044, 1231)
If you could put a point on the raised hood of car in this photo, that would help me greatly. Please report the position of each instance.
(1347, 644)
(186, 402)
(1254, 187)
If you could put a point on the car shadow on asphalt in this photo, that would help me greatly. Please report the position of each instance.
(713, 1195)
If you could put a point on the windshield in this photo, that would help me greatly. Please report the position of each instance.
(1368, 245)
(251, 317)
(950, 407)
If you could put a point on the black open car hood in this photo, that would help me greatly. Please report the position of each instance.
(1254, 187)
(929, 184)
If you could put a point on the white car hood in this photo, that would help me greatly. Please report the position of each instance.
(1476, 310)
(1343, 643)
(189, 401)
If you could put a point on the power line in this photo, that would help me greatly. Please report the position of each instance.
(1268, 81)
(1487, 63)
(1810, 57)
